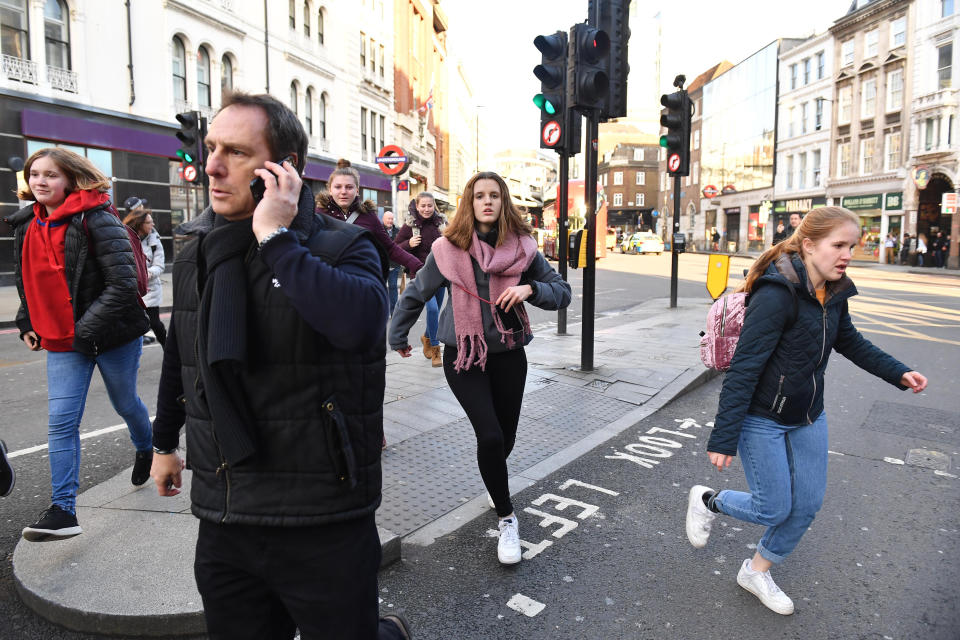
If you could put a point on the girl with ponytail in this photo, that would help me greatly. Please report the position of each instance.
(771, 407)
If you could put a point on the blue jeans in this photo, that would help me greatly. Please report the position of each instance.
(433, 316)
(68, 380)
(786, 469)
(392, 290)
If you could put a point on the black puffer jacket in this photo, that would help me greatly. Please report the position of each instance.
(778, 368)
(102, 280)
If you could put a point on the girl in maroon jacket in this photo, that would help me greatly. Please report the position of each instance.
(417, 236)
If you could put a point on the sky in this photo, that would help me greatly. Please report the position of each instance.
(494, 39)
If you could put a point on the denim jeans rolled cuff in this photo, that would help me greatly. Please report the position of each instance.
(433, 316)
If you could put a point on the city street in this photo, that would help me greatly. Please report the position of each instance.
(455, 584)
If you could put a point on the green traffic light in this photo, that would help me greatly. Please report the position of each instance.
(183, 155)
(664, 142)
(543, 104)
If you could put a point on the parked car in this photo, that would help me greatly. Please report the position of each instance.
(642, 242)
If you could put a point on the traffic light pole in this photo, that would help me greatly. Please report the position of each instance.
(590, 268)
(562, 224)
(674, 256)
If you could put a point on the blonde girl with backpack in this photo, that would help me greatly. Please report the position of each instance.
(771, 407)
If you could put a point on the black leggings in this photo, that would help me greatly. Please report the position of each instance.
(158, 329)
(492, 400)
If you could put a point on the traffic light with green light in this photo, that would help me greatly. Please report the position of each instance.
(559, 129)
(676, 140)
(190, 140)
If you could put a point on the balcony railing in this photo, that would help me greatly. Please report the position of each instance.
(19, 69)
(62, 79)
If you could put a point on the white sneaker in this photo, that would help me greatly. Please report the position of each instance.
(761, 584)
(508, 548)
(699, 518)
(490, 501)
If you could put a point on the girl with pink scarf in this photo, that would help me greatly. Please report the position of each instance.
(488, 260)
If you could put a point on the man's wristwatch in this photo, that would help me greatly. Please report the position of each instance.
(273, 234)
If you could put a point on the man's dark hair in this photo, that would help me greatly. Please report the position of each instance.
(285, 134)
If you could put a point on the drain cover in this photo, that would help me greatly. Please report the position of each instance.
(928, 459)
(600, 384)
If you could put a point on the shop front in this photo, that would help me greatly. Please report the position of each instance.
(879, 215)
(783, 208)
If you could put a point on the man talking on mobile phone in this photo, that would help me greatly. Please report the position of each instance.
(275, 364)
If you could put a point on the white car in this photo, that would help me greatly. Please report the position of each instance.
(642, 242)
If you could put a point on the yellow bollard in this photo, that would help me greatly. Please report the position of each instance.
(718, 273)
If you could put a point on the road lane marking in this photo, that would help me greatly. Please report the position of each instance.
(527, 606)
(83, 436)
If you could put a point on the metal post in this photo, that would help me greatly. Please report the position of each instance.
(590, 268)
(562, 224)
(674, 256)
(393, 200)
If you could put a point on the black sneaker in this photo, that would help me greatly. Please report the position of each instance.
(141, 467)
(54, 524)
(401, 624)
(7, 477)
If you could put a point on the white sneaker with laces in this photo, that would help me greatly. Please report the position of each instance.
(508, 548)
(761, 584)
(699, 518)
(490, 501)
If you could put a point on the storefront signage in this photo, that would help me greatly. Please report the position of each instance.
(859, 203)
(893, 201)
(921, 177)
(798, 205)
(949, 204)
(710, 191)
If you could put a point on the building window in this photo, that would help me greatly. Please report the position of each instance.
(846, 53)
(293, 98)
(226, 75)
(373, 132)
(806, 71)
(363, 51)
(816, 168)
(293, 14)
(695, 173)
(306, 19)
(13, 29)
(638, 156)
(640, 200)
(789, 172)
(895, 90)
(373, 56)
(308, 110)
(322, 116)
(950, 131)
(802, 172)
(382, 56)
(928, 134)
(866, 156)
(868, 99)
(945, 66)
(846, 105)
(618, 199)
(696, 139)
(946, 8)
(892, 143)
(843, 159)
(870, 40)
(793, 76)
(803, 117)
(898, 32)
(203, 77)
(792, 123)
(320, 26)
(179, 70)
(56, 33)
(821, 59)
(383, 129)
(818, 122)
(363, 133)
(617, 177)
(641, 178)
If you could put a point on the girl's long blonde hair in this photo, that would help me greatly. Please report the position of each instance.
(81, 173)
(816, 225)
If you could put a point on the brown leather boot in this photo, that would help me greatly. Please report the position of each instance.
(437, 357)
(427, 347)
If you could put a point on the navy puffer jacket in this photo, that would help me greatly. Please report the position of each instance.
(778, 368)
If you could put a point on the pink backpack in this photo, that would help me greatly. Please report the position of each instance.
(724, 323)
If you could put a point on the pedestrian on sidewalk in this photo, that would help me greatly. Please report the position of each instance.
(76, 275)
(393, 276)
(140, 219)
(780, 234)
(921, 249)
(275, 362)
(890, 248)
(771, 406)
(945, 252)
(905, 248)
(424, 226)
(488, 260)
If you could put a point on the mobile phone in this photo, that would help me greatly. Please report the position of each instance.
(416, 232)
(257, 187)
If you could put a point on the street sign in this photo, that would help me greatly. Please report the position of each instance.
(403, 185)
(718, 273)
(551, 133)
(710, 191)
(674, 162)
(949, 204)
(392, 160)
(190, 173)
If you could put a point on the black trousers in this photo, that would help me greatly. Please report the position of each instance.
(158, 329)
(264, 583)
(492, 400)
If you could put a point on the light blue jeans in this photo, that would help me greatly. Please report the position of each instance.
(68, 380)
(786, 469)
(433, 316)
(392, 286)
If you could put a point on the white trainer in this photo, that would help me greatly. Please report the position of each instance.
(699, 518)
(761, 584)
(508, 548)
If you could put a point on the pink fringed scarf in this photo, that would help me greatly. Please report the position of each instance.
(504, 265)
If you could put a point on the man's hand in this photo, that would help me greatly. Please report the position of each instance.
(514, 295)
(915, 380)
(719, 460)
(32, 340)
(279, 205)
(406, 351)
(165, 471)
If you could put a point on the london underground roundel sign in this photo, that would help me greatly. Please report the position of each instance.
(392, 160)
(710, 191)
